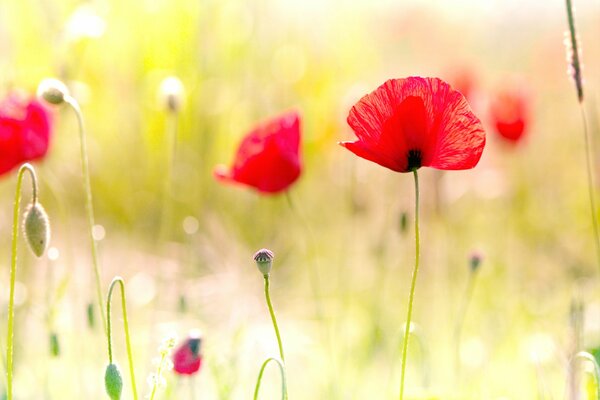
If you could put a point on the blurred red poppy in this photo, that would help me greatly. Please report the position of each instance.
(509, 113)
(416, 122)
(25, 127)
(268, 159)
(464, 79)
(187, 359)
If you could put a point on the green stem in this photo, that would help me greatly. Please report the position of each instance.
(121, 283)
(167, 211)
(13, 272)
(274, 320)
(260, 375)
(412, 286)
(584, 355)
(88, 201)
(272, 313)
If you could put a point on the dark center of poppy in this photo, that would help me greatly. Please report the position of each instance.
(414, 160)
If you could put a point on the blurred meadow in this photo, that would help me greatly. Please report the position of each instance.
(183, 241)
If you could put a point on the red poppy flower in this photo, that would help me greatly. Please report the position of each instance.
(509, 113)
(24, 131)
(268, 158)
(416, 122)
(187, 359)
(464, 79)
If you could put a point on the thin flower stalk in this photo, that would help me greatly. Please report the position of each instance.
(260, 375)
(89, 206)
(413, 284)
(25, 168)
(121, 283)
(575, 71)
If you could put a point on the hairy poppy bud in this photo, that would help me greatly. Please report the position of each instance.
(171, 93)
(264, 260)
(37, 228)
(475, 261)
(53, 91)
(113, 382)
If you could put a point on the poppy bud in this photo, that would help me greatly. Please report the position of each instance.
(53, 91)
(37, 228)
(403, 222)
(187, 359)
(264, 260)
(54, 345)
(171, 93)
(113, 382)
(475, 261)
(91, 319)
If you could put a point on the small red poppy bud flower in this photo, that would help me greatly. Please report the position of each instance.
(113, 382)
(509, 111)
(416, 122)
(475, 261)
(171, 93)
(36, 228)
(268, 159)
(264, 260)
(187, 359)
(53, 91)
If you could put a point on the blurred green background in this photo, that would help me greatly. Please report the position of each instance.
(524, 207)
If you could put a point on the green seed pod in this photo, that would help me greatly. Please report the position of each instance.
(113, 382)
(91, 318)
(264, 260)
(37, 228)
(53, 91)
(54, 345)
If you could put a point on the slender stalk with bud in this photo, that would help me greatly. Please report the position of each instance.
(112, 377)
(474, 264)
(55, 92)
(575, 71)
(36, 228)
(264, 262)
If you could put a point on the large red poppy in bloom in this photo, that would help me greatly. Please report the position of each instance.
(187, 359)
(24, 131)
(509, 112)
(268, 159)
(416, 122)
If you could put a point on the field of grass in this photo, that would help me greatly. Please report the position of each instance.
(342, 235)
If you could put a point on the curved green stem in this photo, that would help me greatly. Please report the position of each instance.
(272, 313)
(121, 283)
(584, 355)
(88, 200)
(412, 286)
(260, 375)
(13, 272)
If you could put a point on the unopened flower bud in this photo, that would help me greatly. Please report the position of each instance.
(475, 261)
(403, 222)
(113, 382)
(171, 93)
(37, 228)
(264, 260)
(54, 345)
(91, 319)
(53, 91)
